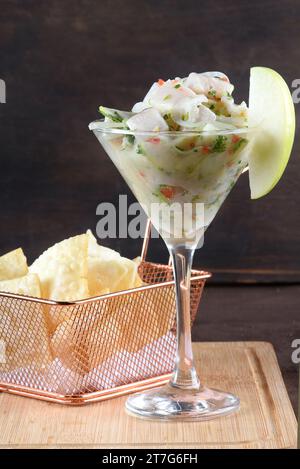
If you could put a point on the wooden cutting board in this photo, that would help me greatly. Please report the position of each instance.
(248, 369)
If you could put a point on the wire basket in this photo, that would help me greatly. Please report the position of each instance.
(93, 349)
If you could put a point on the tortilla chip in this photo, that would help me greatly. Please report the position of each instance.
(105, 267)
(63, 270)
(13, 265)
(140, 327)
(29, 285)
(107, 270)
(103, 339)
(23, 330)
(68, 345)
(86, 339)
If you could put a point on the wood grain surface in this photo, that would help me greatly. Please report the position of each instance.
(60, 60)
(249, 369)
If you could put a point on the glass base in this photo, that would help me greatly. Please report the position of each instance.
(172, 403)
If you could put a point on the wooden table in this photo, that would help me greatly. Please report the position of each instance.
(248, 369)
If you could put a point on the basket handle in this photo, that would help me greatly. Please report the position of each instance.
(146, 240)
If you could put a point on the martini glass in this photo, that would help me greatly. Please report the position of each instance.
(181, 180)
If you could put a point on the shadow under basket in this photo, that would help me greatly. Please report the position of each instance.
(93, 349)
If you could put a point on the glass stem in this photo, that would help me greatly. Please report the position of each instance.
(185, 375)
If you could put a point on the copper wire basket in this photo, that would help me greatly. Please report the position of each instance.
(93, 349)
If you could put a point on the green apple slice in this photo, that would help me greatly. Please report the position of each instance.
(272, 116)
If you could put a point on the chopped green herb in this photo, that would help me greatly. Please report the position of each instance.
(130, 139)
(229, 95)
(177, 86)
(168, 96)
(212, 92)
(239, 144)
(110, 114)
(185, 116)
(140, 150)
(212, 107)
(220, 144)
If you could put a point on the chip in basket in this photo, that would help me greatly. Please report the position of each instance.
(108, 271)
(13, 265)
(83, 342)
(62, 270)
(23, 334)
(29, 285)
(74, 269)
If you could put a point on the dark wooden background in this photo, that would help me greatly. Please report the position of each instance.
(62, 58)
